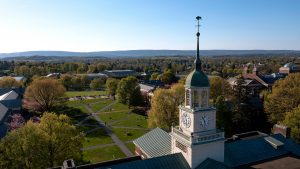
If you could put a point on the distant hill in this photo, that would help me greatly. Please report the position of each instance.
(144, 53)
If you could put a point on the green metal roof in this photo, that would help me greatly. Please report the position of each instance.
(197, 79)
(172, 161)
(155, 143)
(211, 163)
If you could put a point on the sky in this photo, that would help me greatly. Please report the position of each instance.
(106, 25)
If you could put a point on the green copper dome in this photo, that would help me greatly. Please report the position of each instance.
(197, 79)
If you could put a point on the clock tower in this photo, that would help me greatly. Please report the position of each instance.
(197, 137)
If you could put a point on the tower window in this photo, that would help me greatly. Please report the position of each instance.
(203, 98)
(195, 99)
(187, 98)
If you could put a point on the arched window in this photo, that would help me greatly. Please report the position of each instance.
(187, 97)
(195, 99)
(204, 98)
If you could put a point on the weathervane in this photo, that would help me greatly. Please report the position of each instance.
(198, 25)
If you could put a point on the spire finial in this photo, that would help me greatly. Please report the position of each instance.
(198, 61)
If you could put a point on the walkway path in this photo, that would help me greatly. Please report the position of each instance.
(114, 137)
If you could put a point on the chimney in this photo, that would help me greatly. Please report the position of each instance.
(69, 164)
(281, 129)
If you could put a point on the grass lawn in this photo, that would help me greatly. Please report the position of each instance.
(103, 154)
(128, 134)
(99, 105)
(113, 116)
(131, 147)
(85, 93)
(91, 121)
(134, 120)
(97, 137)
(119, 106)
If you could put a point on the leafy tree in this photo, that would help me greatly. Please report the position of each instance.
(111, 86)
(284, 97)
(164, 107)
(167, 77)
(154, 76)
(292, 120)
(43, 94)
(96, 83)
(101, 67)
(136, 98)
(66, 80)
(9, 82)
(241, 108)
(218, 87)
(92, 69)
(77, 83)
(54, 139)
(125, 89)
(84, 80)
(16, 122)
(224, 115)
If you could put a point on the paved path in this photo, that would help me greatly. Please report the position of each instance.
(114, 137)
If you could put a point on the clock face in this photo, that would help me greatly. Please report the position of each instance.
(186, 120)
(204, 121)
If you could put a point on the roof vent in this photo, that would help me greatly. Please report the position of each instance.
(274, 142)
(68, 164)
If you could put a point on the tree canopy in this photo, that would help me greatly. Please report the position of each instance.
(9, 82)
(164, 107)
(292, 120)
(284, 97)
(126, 88)
(43, 94)
(41, 145)
(111, 86)
(218, 87)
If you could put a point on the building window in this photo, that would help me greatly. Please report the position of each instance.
(204, 99)
(187, 98)
(195, 99)
(180, 146)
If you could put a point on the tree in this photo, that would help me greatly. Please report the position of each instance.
(218, 87)
(125, 89)
(284, 97)
(96, 83)
(154, 76)
(54, 139)
(9, 82)
(16, 122)
(66, 80)
(167, 77)
(43, 94)
(136, 98)
(241, 116)
(111, 86)
(164, 107)
(292, 120)
(224, 115)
